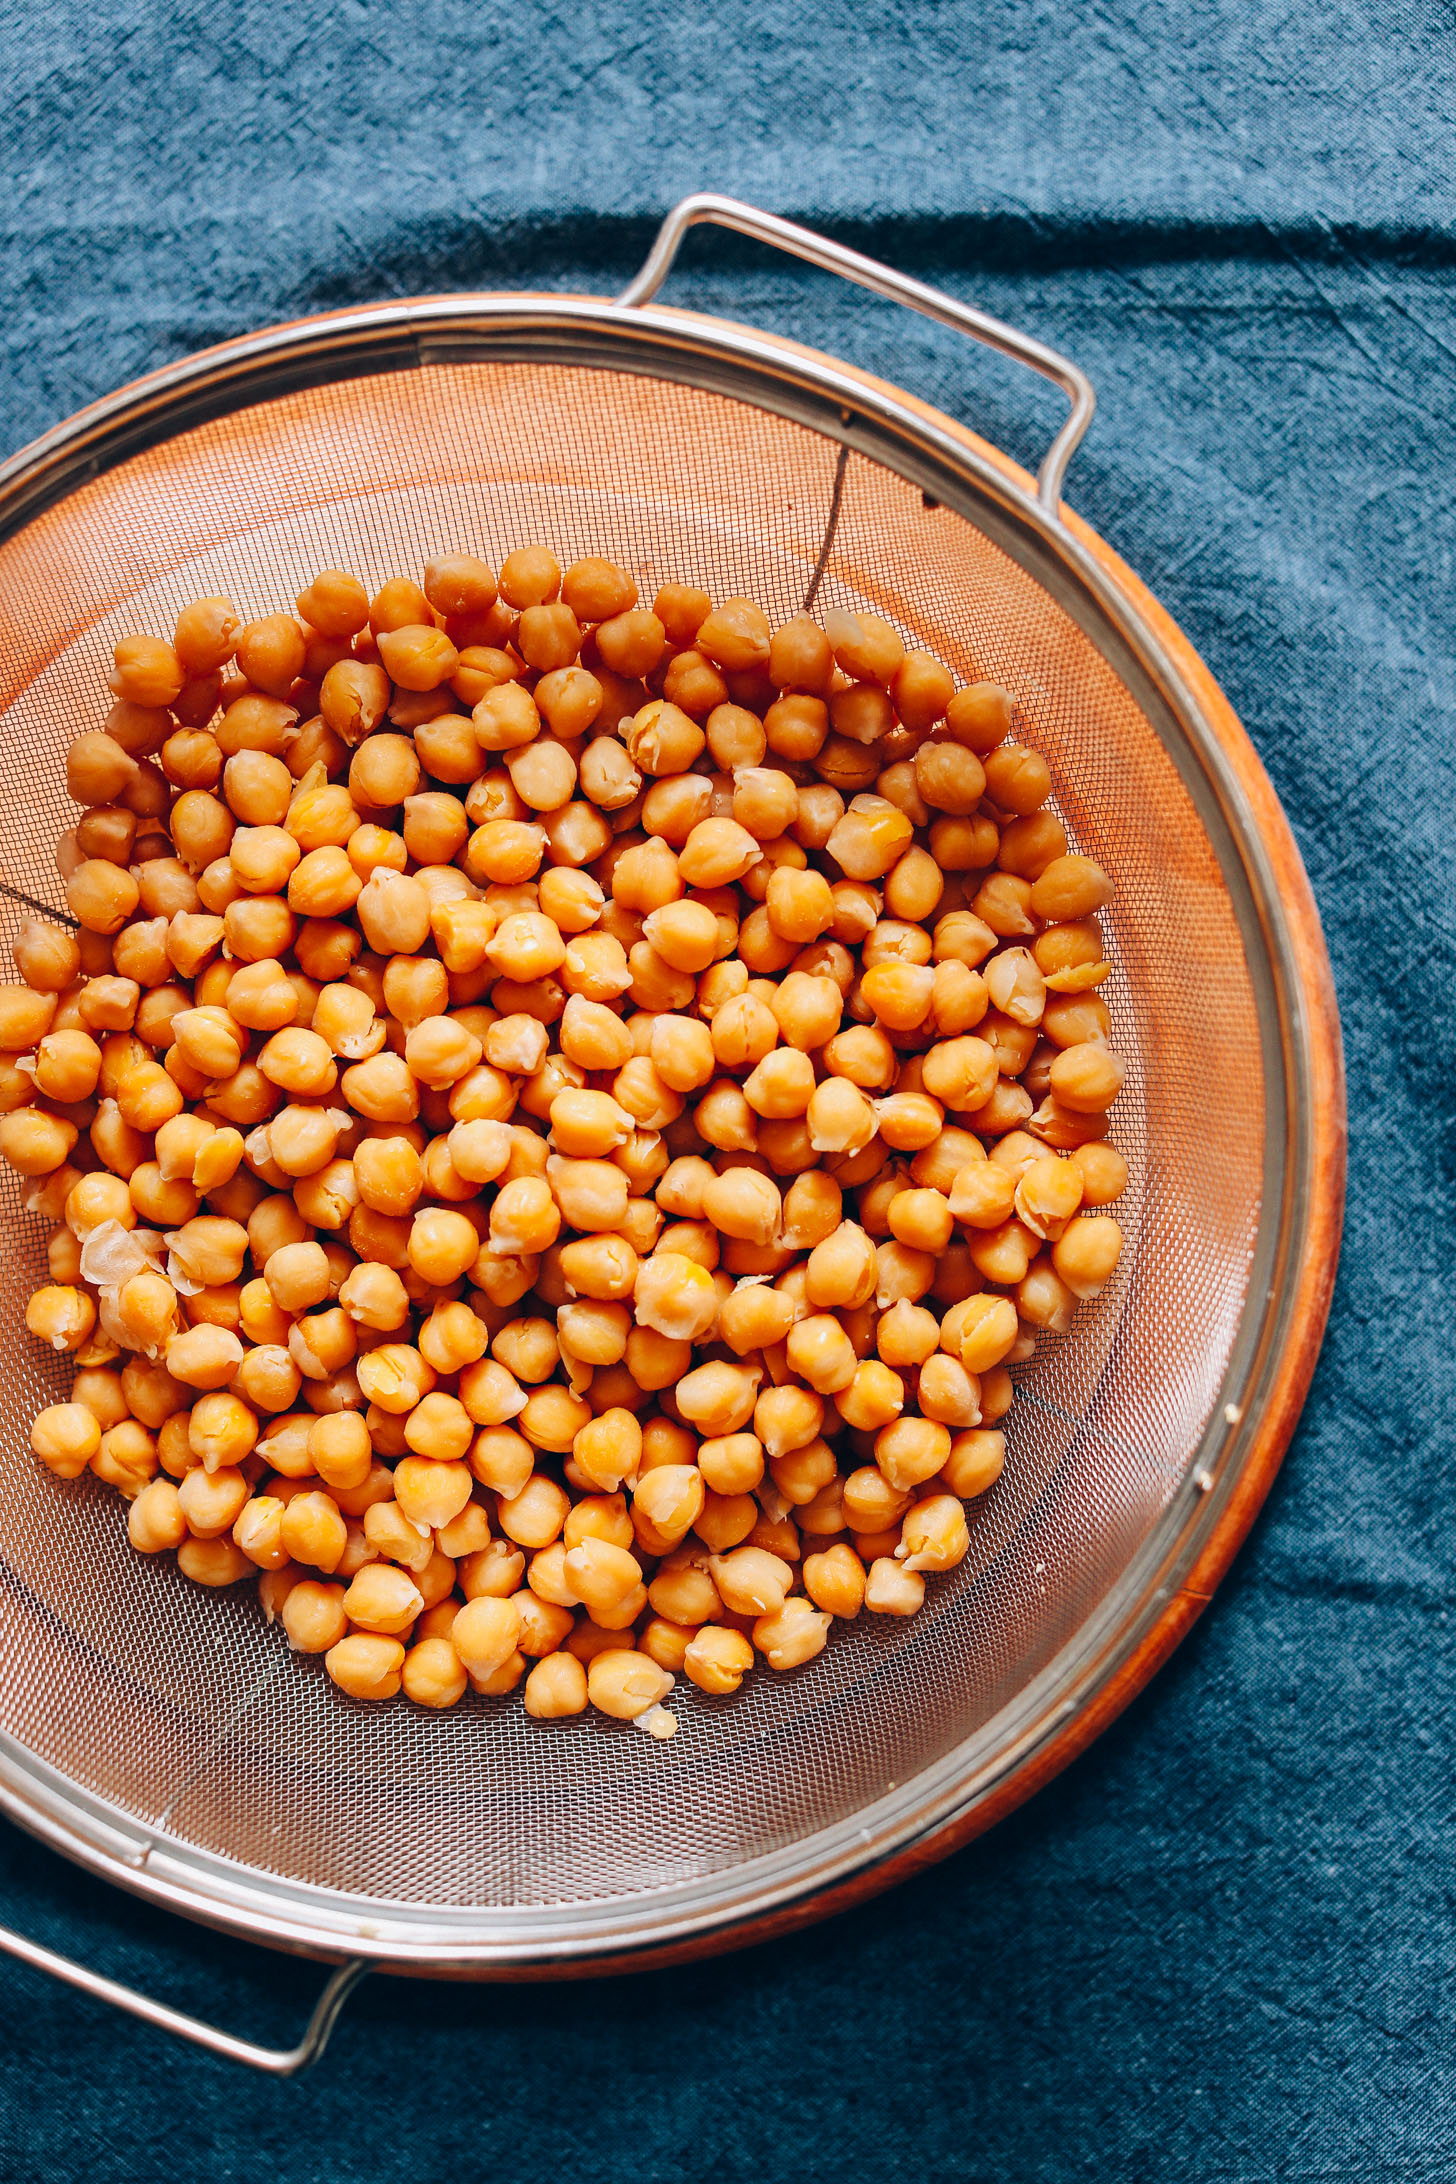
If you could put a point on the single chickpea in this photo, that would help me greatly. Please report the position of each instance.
(980, 1331)
(47, 959)
(221, 1431)
(203, 1357)
(211, 1501)
(155, 1521)
(1087, 1078)
(662, 739)
(624, 1684)
(61, 1316)
(750, 1581)
(892, 1589)
(258, 1531)
(556, 1687)
(948, 1394)
(1087, 1253)
(910, 1450)
(213, 1562)
(789, 1417)
(1103, 1171)
(35, 1143)
(717, 1659)
(835, 1580)
(314, 1617)
(975, 1463)
(366, 1665)
(874, 1397)
(65, 1436)
(382, 1597)
(792, 1634)
(101, 896)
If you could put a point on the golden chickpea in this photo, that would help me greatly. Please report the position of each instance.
(206, 635)
(270, 653)
(1087, 1253)
(975, 1463)
(675, 1297)
(35, 1143)
(874, 1397)
(1086, 1078)
(221, 1431)
(315, 1534)
(910, 1450)
(624, 1684)
(382, 1598)
(486, 1633)
(751, 1581)
(259, 1532)
(948, 1394)
(835, 1580)
(981, 1331)
(155, 1521)
(65, 1436)
(1103, 1171)
(63, 1255)
(792, 1634)
(48, 960)
(556, 1687)
(892, 1589)
(717, 1659)
(101, 896)
(213, 1562)
(314, 1617)
(60, 1316)
(366, 1665)
(340, 1450)
(211, 1501)
(146, 672)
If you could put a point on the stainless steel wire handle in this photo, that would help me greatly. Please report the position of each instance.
(800, 242)
(274, 2062)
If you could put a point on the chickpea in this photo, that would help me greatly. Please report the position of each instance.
(1086, 1078)
(1087, 1253)
(315, 1619)
(101, 896)
(556, 1687)
(893, 1589)
(61, 1316)
(624, 1684)
(975, 1463)
(155, 1520)
(366, 1665)
(203, 1357)
(35, 1143)
(65, 1436)
(48, 960)
(981, 1331)
(1103, 1171)
(792, 1634)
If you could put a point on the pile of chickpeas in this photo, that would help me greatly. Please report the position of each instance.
(558, 1114)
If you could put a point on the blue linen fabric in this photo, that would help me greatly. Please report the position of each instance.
(1221, 1946)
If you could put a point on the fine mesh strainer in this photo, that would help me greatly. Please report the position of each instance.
(159, 1734)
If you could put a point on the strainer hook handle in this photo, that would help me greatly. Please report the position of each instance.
(275, 2062)
(802, 242)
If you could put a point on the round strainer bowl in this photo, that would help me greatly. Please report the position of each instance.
(161, 1734)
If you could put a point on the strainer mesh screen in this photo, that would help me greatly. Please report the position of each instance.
(177, 1705)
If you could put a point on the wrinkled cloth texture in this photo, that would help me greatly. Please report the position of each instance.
(1221, 1946)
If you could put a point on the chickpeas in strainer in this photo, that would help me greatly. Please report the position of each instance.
(557, 1146)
